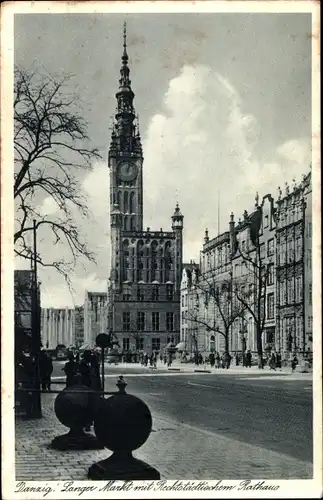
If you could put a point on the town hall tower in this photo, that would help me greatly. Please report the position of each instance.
(146, 265)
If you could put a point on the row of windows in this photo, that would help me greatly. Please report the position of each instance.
(140, 344)
(150, 294)
(290, 291)
(140, 324)
(127, 201)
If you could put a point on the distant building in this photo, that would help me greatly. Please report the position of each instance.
(57, 327)
(188, 328)
(216, 273)
(294, 269)
(95, 316)
(23, 307)
(79, 326)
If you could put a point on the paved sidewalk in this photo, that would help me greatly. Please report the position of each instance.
(178, 451)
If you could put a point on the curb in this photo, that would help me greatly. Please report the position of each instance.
(174, 369)
(202, 371)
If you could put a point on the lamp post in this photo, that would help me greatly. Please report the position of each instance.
(104, 341)
(35, 323)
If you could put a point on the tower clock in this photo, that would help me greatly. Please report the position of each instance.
(127, 170)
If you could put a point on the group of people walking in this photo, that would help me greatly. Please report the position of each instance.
(84, 370)
(218, 361)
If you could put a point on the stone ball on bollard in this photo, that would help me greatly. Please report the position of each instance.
(123, 422)
(74, 406)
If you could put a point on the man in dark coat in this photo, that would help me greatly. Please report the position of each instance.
(70, 370)
(45, 370)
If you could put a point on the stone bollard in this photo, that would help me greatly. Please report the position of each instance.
(122, 424)
(75, 408)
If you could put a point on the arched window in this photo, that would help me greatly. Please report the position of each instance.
(140, 260)
(168, 260)
(132, 203)
(132, 223)
(119, 198)
(126, 261)
(154, 260)
(125, 202)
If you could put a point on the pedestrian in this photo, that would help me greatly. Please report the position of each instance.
(70, 369)
(294, 363)
(45, 370)
(212, 359)
(272, 362)
(248, 359)
(218, 360)
(145, 359)
(227, 360)
(95, 373)
(200, 359)
(169, 360)
(237, 359)
(278, 360)
(85, 369)
(165, 358)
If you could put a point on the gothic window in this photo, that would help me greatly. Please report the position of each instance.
(140, 259)
(119, 198)
(132, 203)
(126, 321)
(168, 260)
(298, 248)
(155, 321)
(125, 202)
(140, 321)
(132, 223)
(153, 249)
(140, 294)
(140, 344)
(170, 321)
(155, 292)
(125, 255)
(169, 291)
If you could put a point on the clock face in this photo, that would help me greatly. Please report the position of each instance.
(127, 171)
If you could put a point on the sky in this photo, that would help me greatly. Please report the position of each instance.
(224, 103)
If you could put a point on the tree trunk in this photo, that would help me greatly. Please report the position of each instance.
(226, 341)
(259, 348)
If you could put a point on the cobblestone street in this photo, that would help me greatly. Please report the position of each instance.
(178, 449)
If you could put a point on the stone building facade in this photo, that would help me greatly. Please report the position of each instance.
(146, 265)
(79, 325)
(216, 271)
(279, 273)
(190, 337)
(95, 316)
(57, 327)
(294, 273)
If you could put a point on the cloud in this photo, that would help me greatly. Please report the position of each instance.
(202, 145)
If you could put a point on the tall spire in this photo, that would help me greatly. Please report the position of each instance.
(124, 82)
(125, 137)
(125, 55)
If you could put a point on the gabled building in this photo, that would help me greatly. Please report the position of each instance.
(294, 269)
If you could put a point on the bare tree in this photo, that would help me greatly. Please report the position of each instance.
(226, 312)
(51, 143)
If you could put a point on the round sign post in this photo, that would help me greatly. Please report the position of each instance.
(103, 340)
